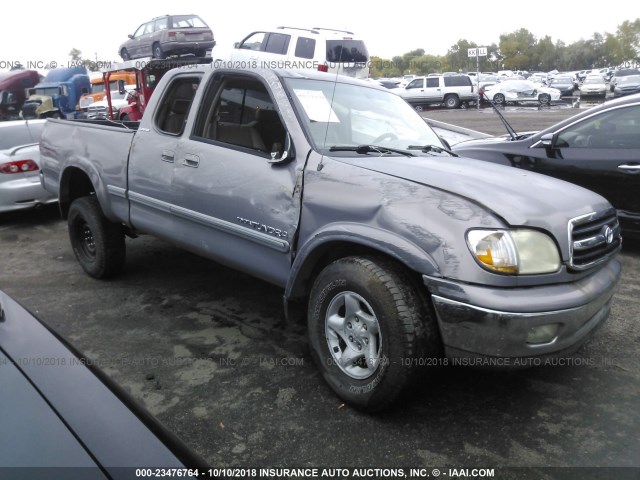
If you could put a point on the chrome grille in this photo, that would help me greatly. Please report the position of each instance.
(97, 112)
(593, 238)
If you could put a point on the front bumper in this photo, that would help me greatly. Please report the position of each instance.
(496, 322)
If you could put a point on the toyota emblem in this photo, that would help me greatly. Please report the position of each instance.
(607, 233)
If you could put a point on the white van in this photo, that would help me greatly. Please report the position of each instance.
(323, 49)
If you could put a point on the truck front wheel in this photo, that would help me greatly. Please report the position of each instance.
(367, 327)
(97, 243)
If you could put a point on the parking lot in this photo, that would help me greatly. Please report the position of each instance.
(206, 350)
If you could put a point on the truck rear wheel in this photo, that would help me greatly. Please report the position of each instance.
(97, 243)
(367, 327)
(452, 101)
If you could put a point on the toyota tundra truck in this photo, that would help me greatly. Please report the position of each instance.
(335, 190)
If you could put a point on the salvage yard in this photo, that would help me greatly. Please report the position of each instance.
(206, 349)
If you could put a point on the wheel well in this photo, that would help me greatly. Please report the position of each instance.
(331, 251)
(74, 184)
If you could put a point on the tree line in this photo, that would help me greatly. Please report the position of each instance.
(521, 50)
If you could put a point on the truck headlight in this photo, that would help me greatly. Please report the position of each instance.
(516, 252)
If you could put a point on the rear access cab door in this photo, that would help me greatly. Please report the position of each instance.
(206, 176)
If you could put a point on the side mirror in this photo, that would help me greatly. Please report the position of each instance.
(130, 36)
(236, 45)
(547, 140)
(288, 154)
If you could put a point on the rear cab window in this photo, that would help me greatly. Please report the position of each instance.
(176, 103)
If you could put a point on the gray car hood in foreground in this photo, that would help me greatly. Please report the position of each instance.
(519, 198)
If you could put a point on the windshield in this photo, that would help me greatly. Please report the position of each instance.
(629, 79)
(593, 80)
(97, 87)
(358, 115)
(48, 91)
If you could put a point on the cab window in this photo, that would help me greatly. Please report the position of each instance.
(174, 107)
(277, 43)
(305, 47)
(238, 111)
(253, 41)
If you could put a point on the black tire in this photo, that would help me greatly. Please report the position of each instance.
(97, 243)
(355, 292)
(544, 99)
(157, 51)
(499, 99)
(124, 118)
(125, 54)
(451, 101)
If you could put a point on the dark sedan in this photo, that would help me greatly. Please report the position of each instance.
(62, 418)
(564, 83)
(627, 86)
(598, 149)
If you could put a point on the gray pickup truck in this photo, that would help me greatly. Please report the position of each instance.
(403, 253)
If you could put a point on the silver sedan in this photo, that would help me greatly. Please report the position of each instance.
(20, 186)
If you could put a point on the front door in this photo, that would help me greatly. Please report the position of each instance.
(231, 203)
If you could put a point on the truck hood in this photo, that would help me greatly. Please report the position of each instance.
(45, 105)
(519, 198)
(117, 103)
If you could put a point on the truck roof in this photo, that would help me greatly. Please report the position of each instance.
(63, 74)
(7, 78)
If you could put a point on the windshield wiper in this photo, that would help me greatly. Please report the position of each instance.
(510, 129)
(431, 148)
(364, 149)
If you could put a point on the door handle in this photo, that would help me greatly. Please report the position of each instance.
(190, 160)
(630, 168)
(167, 156)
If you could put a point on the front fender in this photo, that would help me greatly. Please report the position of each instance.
(354, 237)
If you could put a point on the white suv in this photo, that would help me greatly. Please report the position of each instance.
(451, 90)
(324, 49)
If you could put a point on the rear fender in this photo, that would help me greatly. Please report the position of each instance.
(80, 180)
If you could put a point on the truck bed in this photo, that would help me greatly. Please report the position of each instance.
(100, 147)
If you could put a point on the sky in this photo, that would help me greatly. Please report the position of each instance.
(47, 33)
